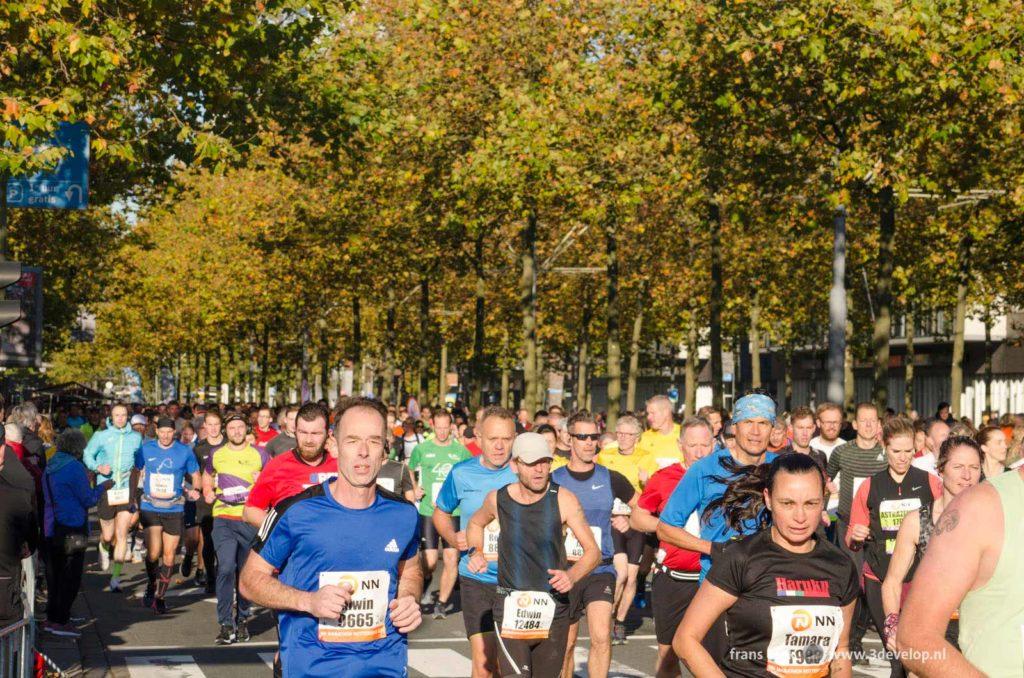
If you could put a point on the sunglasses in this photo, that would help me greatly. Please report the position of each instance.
(587, 436)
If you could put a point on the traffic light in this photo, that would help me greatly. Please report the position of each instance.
(10, 309)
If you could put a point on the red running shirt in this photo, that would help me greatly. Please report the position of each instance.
(655, 495)
(286, 475)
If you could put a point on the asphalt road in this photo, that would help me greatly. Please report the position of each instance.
(140, 644)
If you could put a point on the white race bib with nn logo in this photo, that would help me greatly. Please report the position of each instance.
(573, 547)
(161, 486)
(491, 533)
(804, 639)
(362, 620)
(527, 615)
(117, 497)
(387, 483)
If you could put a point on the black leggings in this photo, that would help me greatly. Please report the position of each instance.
(209, 552)
(873, 596)
(63, 579)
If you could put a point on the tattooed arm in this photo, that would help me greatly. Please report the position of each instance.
(961, 556)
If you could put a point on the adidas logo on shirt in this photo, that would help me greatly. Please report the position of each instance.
(392, 547)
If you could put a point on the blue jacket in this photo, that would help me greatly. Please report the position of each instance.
(67, 493)
(114, 447)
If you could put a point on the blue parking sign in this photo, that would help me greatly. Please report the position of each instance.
(67, 186)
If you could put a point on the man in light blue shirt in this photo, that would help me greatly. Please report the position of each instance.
(466, 488)
(706, 481)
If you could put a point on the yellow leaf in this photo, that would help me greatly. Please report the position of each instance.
(74, 42)
(747, 56)
(995, 64)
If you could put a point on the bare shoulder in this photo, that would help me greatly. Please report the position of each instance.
(971, 515)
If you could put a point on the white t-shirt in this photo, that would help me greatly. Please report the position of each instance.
(926, 462)
(818, 443)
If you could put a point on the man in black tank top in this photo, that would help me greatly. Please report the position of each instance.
(531, 616)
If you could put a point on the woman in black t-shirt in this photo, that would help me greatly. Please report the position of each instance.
(788, 596)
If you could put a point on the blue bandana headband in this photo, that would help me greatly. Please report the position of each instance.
(754, 406)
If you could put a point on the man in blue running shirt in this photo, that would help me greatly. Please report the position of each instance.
(599, 491)
(349, 580)
(465, 488)
(705, 481)
(166, 463)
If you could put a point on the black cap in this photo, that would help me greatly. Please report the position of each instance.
(235, 416)
(165, 422)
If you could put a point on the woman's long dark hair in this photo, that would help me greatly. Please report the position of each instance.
(743, 499)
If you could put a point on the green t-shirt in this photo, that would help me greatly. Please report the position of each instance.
(432, 462)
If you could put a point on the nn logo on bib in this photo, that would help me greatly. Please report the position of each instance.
(392, 547)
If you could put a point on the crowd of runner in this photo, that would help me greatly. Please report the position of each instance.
(763, 544)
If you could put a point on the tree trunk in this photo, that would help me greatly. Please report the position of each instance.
(634, 350)
(715, 306)
(787, 392)
(357, 346)
(425, 351)
(177, 379)
(956, 370)
(206, 376)
(387, 394)
(264, 395)
(883, 292)
(231, 373)
(988, 364)
(220, 380)
(542, 387)
(477, 363)
(849, 378)
(692, 361)
(442, 376)
(528, 307)
(755, 340)
(614, 351)
(325, 368)
(908, 367)
(582, 353)
(505, 374)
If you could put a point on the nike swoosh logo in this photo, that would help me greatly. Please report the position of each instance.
(916, 488)
(596, 487)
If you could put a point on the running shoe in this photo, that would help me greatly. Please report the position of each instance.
(439, 610)
(200, 578)
(226, 636)
(186, 565)
(242, 631)
(115, 584)
(147, 599)
(160, 605)
(104, 557)
(619, 634)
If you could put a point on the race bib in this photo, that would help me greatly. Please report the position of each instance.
(236, 494)
(491, 533)
(435, 490)
(320, 478)
(387, 483)
(573, 547)
(833, 499)
(891, 513)
(619, 508)
(362, 620)
(161, 486)
(804, 639)
(118, 497)
(527, 615)
(693, 524)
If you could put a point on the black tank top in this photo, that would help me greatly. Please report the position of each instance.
(530, 542)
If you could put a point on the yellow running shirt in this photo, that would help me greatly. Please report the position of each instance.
(628, 465)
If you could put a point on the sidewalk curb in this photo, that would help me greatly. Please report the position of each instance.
(95, 663)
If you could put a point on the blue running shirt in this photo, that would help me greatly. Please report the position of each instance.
(695, 491)
(314, 540)
(165, 469)
(465, 488)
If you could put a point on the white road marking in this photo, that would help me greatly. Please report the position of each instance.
(268, 659)
(616, 670)
(443, 663)
(164, 666)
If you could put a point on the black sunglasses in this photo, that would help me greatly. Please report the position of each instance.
(587, 436)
